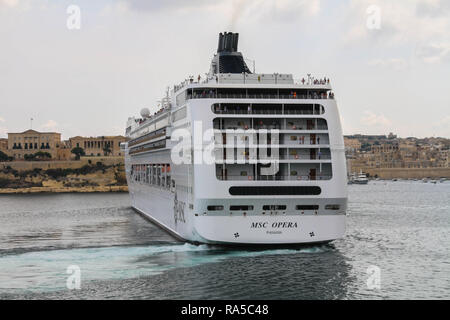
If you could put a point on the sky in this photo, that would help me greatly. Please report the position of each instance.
(388, 61)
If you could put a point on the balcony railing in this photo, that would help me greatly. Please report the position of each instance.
(268, 127)
(303, 157)
(267, 112)
(212, 95)
(274, 178)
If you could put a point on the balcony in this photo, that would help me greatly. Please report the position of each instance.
(270, 124)
(273, 178)
(267, 109)
(286, 172)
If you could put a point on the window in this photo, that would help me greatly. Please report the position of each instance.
(215, 208)
(274, 207)
(275, 191)
(332, 207)
(307, 207)
(241, 208)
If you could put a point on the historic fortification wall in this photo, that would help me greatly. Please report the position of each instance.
(70, 164)
(87, 175)
(406, 173)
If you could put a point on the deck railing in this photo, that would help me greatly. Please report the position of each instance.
(213, 95)
(268, 127)
(274, 178)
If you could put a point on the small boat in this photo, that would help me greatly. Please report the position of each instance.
(442, 180)
(395, 179)
(433, 181)
(360, 179)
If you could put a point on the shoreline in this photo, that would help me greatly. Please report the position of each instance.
(97, 189)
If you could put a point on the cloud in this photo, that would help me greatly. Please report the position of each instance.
(391, 63)
(9, 3)
(434, 53)
(371, 119)
(50, 125)
(285, 9)
(3, 130)
(442, 127)
(233, 9)
(433, 8)
(444, 122)
(402, 22)
(145, 5)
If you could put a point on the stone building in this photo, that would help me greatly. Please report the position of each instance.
(352, 145)
(3, 145)
(64, 151)
(31, 142)
(99, 146)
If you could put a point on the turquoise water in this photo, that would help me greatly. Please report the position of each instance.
(402, 228)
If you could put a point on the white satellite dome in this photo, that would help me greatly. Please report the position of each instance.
(145, 112)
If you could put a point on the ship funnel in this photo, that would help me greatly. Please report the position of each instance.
(228, 42)
(228, 59)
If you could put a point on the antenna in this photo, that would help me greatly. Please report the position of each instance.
(31, 123)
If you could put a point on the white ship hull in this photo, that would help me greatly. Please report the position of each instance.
(237, 229)
(196, 224)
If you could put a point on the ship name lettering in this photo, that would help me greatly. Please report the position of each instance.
(284, 225)
(277, 225)
(259, 224)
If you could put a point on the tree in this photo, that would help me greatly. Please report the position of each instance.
(107, 150)
(78, 152)
(42, 155)
(3, 156)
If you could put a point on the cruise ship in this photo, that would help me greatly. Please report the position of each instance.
(239, 157)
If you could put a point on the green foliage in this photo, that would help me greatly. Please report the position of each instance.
(38, 156)
(365, 146)
(86, 169)
(4, 156)
(9, 170)
(107, 150)
(42, 155)
(57, 173)
(78, 152)
(4, 182)
(18, 183)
